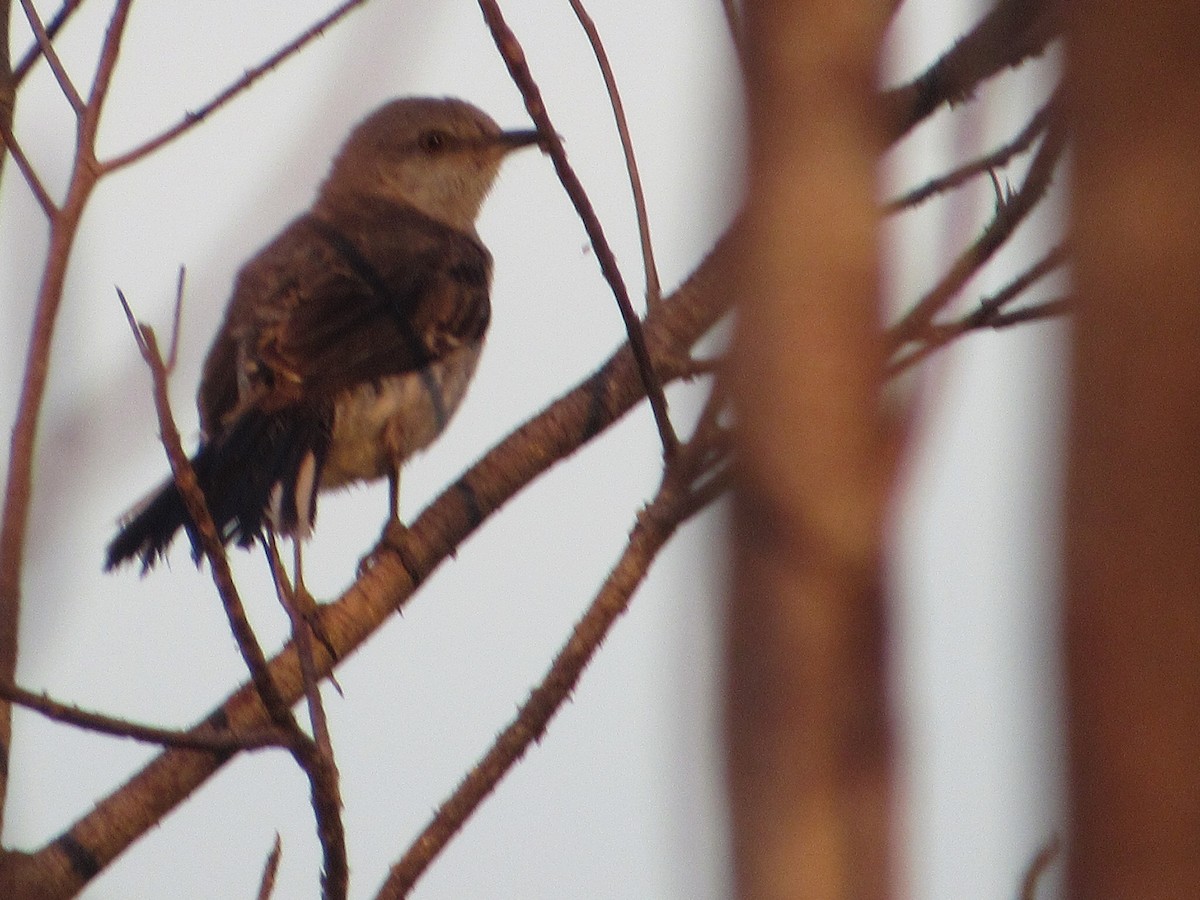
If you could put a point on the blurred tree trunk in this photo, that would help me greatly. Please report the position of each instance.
(1132, 625)
(807, 736)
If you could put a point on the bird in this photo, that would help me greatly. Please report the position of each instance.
(350, 338)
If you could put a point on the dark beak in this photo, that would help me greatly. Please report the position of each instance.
(516, 139)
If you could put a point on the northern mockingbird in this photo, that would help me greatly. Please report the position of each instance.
(351, 337)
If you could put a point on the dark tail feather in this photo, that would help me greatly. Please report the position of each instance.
(239, 475)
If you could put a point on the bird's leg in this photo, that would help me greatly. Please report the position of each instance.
(395, 533)
(394, 494)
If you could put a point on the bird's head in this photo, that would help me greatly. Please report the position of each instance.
(438, 155)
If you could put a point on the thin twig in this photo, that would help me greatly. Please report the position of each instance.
(1038, 866)
(322, 774)
(320, 765)
(176, 320)
(8, 81)
(947, 334)
(993, 160)
(653, 288)
(18, 491)
(27, 171)
(202, 738)
(34, 53)
(266, 886)
(206, 530)
(1008, 216)
(194, 118)
(985, 316)
(991, 307)
(47, 46)
(514, 57)
(1036, 312)
(109, 51)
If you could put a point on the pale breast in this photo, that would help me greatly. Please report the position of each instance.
(378, 425)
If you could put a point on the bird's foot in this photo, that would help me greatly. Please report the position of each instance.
(397, 541)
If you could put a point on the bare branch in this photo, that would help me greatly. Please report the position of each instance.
(47, 47)
(991, 312)
(1038, 866)
(109, 50)
(192, 119)
(27, 170)
(18, 492)
(514, 58)
(319, 764)
(176, 320)
(202, 738)
(653, 289)
(8, 81)
(1047, 309)
(1008, 216)
(34, 53)
(993, 160)
(1011, 33)
(209, 540)
(267, 885)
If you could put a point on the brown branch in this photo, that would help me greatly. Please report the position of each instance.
(1014, 31)
(34, 53)
(27, 171)
(673, 505)
(205, 530)
(109, 51)
(1128, 624)
(997, 158)
(807, 732)
(46, 45)
(194, 118)
(8, 81)
(19, 486)
(653, 288)
(1037, 312)
(1011, 211)
(990, 314)
(518, 68)
(176, 321)
(1038, 866)
(990, 308)
(318, 765)
(62, 867)
(947, 334)
(205, 737)
(267, 885)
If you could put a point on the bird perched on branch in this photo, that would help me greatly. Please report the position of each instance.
(351, 337)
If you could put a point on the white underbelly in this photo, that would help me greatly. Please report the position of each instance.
(379, 425)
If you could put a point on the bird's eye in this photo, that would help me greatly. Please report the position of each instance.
(433, 141)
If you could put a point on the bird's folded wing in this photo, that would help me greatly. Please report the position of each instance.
(328, 306)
